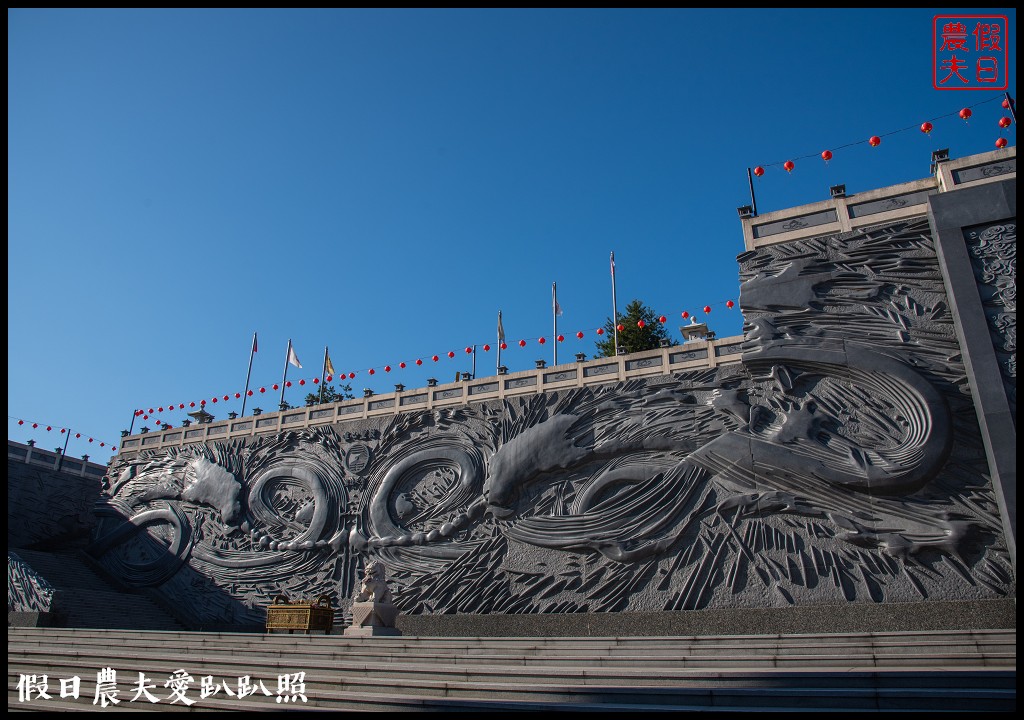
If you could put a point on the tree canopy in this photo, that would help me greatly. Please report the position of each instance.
(633, 337)
(344, 392)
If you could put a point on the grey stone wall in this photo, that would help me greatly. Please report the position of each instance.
(841, 462)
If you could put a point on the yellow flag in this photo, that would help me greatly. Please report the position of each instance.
(329, 366)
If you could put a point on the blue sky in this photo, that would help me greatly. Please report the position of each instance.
(384, 181)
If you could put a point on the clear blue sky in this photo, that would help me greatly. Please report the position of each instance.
(384, 181)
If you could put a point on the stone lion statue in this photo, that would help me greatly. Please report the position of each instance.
(373, 587)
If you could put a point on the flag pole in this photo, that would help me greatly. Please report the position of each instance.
(474, 361)
(60, 460)
(245, 395)
(284, 377)
(554, 323)
(132, 426)
(323, 378)
(615, 308)
(501, 339)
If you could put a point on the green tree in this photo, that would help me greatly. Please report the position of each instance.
(633, 337)
(344, 392)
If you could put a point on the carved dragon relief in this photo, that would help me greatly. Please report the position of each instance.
(820, 470)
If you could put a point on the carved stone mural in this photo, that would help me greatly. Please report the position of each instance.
(841, 462)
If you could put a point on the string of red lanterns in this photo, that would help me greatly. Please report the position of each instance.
(63, 430)
(875, 140)
(146, 414)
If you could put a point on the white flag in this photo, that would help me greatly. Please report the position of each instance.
(292, 357)
(554, 299)
(501, 329)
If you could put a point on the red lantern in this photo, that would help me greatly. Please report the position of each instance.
(759, 171)
(522, 343)
(663, 319)
(302, 382)
(249, 393)
(1001, 143)
(387, 368)
(418, 361)
(469, 350)
(685, 314)
(788, 165)
(826, 155)
(316, 381)
(288, 384)
(541, 341)
(275, 386)
(329, 378)
(451, 354)
(1004, 122)
(263, 389)
(49, 428)
(215, 399)
(202, 403)
(504, 346)
(35, 425)
(580, 334)
(487, 348)
(372, 371)
(226, 398)
(401, 365)
(600, 331)
(21, 422)
(926, 127)
(161, 409)
(434, 358)
(238, 395)
(191, 404)
(874, 141)
(62, 431)
(137, 413)
(730, 304)
(181, 406)
(965, 114)
(78, 435)
(157, 422)
(150, 411)
(101, 444)
(707, 309)
(1006, 104)
(351, 376)
(640, 323)
(90, 439)
(560, 338)
(620, 327)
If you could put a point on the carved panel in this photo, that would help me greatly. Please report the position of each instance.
(350, 409)
(418, 399)
(721, 350)
(297, 417)
(993, 251)
(560, 376)
(317, 414)
(644, 363)
(380, 404)
(129, 443)
(897, 202)
(797, 223)
(448, 394)
(151, 440)
(982, 172)
(198, 433)
(687, 356)
(216, 430)
(172, 437)
(483, 388)
(266, 422)
(612, 369)
(521, 382)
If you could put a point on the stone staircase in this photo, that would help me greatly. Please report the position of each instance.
(86, 600)
(920, 671)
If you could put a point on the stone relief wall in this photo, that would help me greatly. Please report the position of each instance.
(841, 462)
(46, 508)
